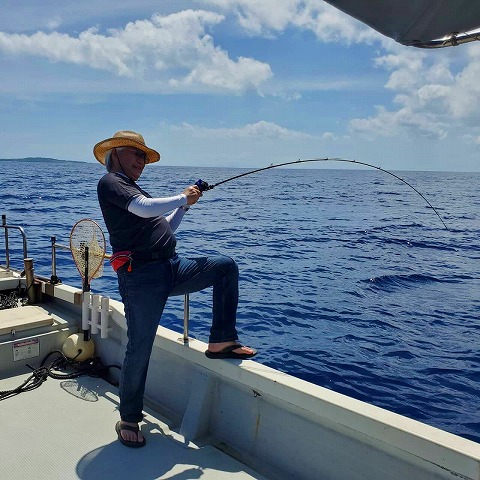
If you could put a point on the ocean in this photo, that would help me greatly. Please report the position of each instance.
(348, 279)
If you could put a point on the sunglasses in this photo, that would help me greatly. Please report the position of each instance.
(138, 153)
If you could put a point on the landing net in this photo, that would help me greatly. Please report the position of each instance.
(87, 233)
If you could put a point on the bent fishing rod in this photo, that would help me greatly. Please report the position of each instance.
(204, 186)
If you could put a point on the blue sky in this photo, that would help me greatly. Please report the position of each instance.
(231, 83)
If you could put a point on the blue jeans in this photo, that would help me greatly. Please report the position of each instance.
(144, 292)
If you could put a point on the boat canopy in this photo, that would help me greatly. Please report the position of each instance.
(418, 23)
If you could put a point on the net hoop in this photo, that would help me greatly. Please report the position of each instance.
(87, 233)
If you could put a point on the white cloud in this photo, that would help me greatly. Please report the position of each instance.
(261, 129)
(173, 50)
(406, 67)
(431, 92)
(54, 22)
(270, 17)
(259, 17)
(433, 99)
(424, 85)
(329, 136)
(463, 94)
(251, 144)
(475, 139)
(405, 120)
(418, 112)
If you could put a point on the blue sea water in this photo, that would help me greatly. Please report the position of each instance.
(348, 278)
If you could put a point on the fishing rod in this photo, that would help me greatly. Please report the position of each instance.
(204, 186)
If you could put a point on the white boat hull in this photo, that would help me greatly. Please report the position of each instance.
(279, 426)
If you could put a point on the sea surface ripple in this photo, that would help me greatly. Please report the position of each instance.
(348, 278)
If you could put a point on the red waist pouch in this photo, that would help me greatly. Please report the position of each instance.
(119, 259)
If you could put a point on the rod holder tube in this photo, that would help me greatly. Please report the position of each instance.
(95, 314)
(104, 317)
(85, 311)
(54, 258)
(54, 279)
(186, 316)
(30, 279)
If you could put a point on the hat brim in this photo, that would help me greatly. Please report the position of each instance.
(101, 148)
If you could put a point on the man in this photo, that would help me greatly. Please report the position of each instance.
(149, 270)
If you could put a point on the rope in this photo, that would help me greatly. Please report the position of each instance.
(92, 367)
(13, 299)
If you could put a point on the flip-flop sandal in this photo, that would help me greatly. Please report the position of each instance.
(228, 352)
(132, 444)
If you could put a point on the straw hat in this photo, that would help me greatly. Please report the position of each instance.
(124, 138)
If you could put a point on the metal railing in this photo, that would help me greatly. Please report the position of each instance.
(54, 279)
(27, 262)
(7, 246)
(29, 272)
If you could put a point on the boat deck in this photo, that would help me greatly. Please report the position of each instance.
(65, 430)
(235, 413)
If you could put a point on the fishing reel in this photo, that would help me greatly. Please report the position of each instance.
(203, 186)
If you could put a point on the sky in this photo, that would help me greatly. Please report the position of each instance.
(233, 83)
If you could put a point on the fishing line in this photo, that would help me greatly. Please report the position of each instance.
(203, 186)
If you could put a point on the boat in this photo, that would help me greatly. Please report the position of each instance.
(418, 23)
(223, 419)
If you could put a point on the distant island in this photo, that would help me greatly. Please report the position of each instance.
(35, 159)
(40, 160)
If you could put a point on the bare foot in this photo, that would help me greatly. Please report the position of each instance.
(218, 347)
(130, 436)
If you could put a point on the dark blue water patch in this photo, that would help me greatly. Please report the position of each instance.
(389, 283)
(366, 294)
(400, 354)
(14, 197)
(408, 243)
(397, 228)
(457, 278)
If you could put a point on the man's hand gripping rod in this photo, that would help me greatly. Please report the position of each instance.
(203, 186)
